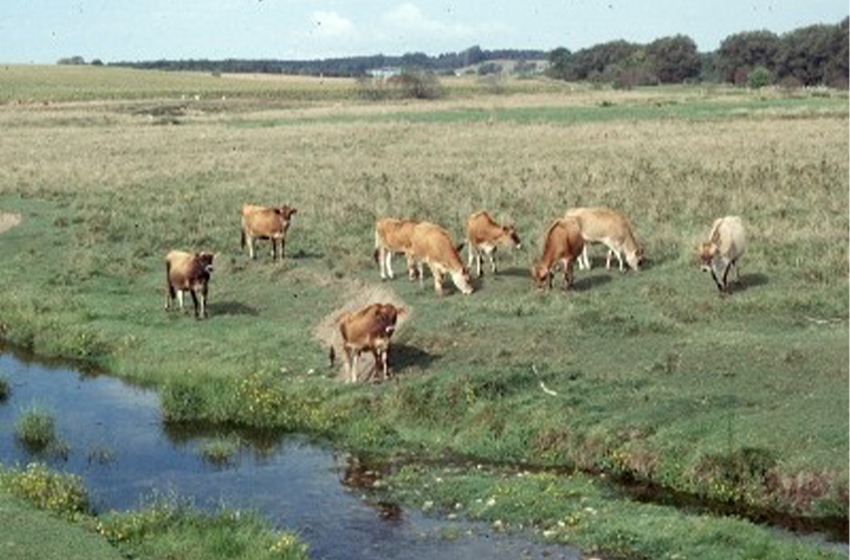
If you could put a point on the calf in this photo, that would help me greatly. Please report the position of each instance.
(727, 243)
(266, 222)
(368, 329)
(393, 236)
(188, 272)
(563, 243)
(483, 234)
(431, 244)
(607, 226)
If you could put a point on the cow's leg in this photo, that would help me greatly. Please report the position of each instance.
(169, 296)
(377, 356)
(411, 267)
(347, 368)
(282, 248)
(471, 260)
(180, 300)
(420, 268)
(204, 296)
(737, 271)
(726, 276)
(438, 280)
(354, 361)
(584, 259)
(250, 240)
(492, 256)
(195, 302)
(382, 262)
(388, 255)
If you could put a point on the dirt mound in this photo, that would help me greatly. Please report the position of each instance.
(8, 221)
(357, 296)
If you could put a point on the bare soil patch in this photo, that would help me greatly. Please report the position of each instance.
(356, 296)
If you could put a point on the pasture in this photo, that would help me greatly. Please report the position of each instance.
(656, 377)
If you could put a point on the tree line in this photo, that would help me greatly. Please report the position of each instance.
(812, 55)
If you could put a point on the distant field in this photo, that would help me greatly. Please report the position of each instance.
(741, 398)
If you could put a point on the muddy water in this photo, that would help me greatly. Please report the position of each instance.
(119, 445)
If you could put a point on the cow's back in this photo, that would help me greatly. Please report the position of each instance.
(482, 227)
(730, 236)
(598, 223)
(563, 239)
(394, 233)
(431, 243)
(261, 221)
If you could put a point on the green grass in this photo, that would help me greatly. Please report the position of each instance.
(575, 509)
(741, 398)
(220, 451)
(46, 515)
(35, 427)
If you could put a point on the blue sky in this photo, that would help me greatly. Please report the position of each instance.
(42, 31)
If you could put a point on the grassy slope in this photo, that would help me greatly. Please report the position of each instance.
(742, 398)
(32, 534)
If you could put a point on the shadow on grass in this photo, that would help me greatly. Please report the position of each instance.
(750, 281)
(514, 271)
(232, 308)
(403, 356)
(590, 282)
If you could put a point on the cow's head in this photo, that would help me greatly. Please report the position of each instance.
(511, 233)
(286, 212)
(636, 258)
(389, 314)
(462, 280)
(205, 260)
(540, 274)
(707, 250)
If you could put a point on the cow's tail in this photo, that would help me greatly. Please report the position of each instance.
(242, 240)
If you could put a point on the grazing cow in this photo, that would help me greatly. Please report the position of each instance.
(266, 222)
(725, 246)
(188, 272)
(483, 234)
(393, 236)
(563, 243)
(431, 244)
(369, 329)
(603, 225)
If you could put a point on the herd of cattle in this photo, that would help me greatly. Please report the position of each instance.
(370, 329)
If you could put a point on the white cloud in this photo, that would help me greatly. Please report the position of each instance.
(331, 24)
(409, 18)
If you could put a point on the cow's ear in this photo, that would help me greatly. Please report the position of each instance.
(293, 211)
(401, 311)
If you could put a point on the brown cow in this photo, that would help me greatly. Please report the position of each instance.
(369, 329)
(431, 244)
(266, 222)
(611, 228)
(393, 236)
(484, 234)
(563, 243)
(188, 272)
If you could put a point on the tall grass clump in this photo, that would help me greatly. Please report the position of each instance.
(36, 428)
(169, 529)
(63, 494)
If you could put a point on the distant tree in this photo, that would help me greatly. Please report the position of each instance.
(417, 84)
(759, 77)
(489, 68)
(560, 62)
(415, 60)
(741, 52)
(97, 62)
(472, 55)
(72, 60)
(673, 59)
(594, 60)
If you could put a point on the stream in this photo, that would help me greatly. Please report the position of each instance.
(125, 454)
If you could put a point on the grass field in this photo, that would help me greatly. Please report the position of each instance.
(742, 398)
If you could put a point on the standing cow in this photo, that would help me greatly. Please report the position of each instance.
(563, 244)
(431, 244)
(603, 225)
(726, 243)
(266, 222)
(368, 329)
(393, 236)
(484, 234)
(188, 272)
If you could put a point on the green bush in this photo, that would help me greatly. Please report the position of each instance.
(759, 77)
(36, 428)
